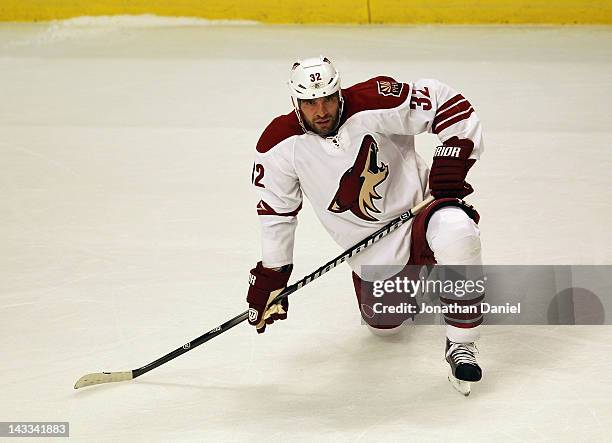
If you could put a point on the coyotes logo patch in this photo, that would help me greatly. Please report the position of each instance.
(357, 189)
(389, 88)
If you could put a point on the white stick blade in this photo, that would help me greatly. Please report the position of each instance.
(97, 378)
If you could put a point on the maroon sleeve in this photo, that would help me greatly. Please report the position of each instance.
(377, 93)
(281, 128)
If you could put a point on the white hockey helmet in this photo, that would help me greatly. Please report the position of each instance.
(313, 78)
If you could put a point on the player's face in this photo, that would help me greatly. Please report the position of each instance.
(321, 114)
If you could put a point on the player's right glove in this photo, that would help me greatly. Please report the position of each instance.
(265, 284)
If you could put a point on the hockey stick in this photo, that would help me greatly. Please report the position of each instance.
(109, 377)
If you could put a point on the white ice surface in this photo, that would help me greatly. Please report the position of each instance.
(127, 227)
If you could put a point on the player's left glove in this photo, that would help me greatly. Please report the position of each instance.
(264, 285)
(451, 164)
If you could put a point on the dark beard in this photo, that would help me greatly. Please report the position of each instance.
(333, 129)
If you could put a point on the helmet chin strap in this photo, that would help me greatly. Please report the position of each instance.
(296, 109)
(340, 110)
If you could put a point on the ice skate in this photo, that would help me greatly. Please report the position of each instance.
(464, 369)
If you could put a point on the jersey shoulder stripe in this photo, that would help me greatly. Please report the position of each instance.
(280, 129)
(380, 92)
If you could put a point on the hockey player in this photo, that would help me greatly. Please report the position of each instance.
(351, 152)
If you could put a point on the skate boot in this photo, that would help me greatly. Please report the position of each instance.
(464, 369)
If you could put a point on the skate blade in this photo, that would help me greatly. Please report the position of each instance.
(463, 387)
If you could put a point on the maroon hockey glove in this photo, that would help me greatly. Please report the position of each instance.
(450, 166)
(265, 284)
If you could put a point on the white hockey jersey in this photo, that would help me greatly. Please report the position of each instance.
(364, 176)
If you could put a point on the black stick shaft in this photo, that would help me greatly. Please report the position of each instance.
(192, 344)
(357, 248)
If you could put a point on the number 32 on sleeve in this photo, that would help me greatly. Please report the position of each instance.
(256, 179)
(423, 101)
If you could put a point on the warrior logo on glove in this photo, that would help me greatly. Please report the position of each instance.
(447, 151)
(357, 189)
